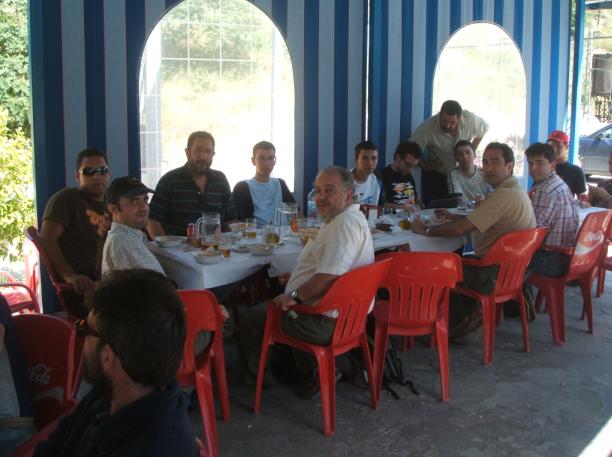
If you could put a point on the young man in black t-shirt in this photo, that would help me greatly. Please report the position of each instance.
(570, 173)
(398, 182)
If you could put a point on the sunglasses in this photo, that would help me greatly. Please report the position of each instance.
(83, 329)
(90, 171)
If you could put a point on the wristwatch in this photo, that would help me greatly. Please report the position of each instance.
(295, 297)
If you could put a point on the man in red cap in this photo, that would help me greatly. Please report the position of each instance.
(570, 173)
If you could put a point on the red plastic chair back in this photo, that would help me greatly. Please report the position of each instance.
(18, 295)
(48, 344)
(513, 252)
(418, 283)
(352, 295)
(590, 242)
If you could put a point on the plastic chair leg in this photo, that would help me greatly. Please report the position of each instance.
(601, 280)
(381, 338)
(587, 305)
(442, 343)
(262, 368)
(367, 360)
(327, 382)
(207, 411)
(488, 330)
(525, 328)
(220, 375)
(555, 301)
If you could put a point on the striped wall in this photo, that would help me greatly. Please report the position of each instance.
(409, 35)
(85, 66)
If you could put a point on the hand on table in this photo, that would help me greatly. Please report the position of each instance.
(80, 283)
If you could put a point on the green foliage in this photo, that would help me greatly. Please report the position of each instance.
(16, 189)
(14, 88)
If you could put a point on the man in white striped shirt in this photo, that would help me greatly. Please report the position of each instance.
(126, 245)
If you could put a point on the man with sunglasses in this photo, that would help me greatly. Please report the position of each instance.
(134, 339)
(75, 222)
(397, 179)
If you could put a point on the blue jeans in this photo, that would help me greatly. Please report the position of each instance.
(549, 263)
(12, 437)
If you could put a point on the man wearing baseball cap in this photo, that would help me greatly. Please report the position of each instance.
(126, 245)
(570, 173)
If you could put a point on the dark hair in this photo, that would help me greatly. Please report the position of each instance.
(505, 149)
(407, 147)
(263, 145)
(461, 143)
(89, 152)
(452, 108)
(541, 149)
(202, 135)
(139, 314)
(364, 146)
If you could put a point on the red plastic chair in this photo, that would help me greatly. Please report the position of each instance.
(605, 264)
(53, 374)
(19, 296)
(419, 285)
(512, 252)
(590, 243)
(60, 287)
(351, 294)
(203, 314)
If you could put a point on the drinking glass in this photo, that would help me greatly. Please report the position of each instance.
(414, 212)
(250, 227)
(461, 203)
(212, 224)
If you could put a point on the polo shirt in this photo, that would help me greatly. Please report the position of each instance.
(177, 200)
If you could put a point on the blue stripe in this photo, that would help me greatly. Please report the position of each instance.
(407, 70)
(341, 32)
(93, 15)
(498, 12)
(311, 89)
(553, 93)
(47, 100)
(455, 15)
(279, 15)
(134, 39)
(577, 70)
(364, 65)
(431, 55)
(171, 3)
(534, 124)
(378, 73)
(477, 10)
(518, 23)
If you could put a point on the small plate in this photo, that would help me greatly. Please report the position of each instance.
(207, 258)
(241, 248)
(262, 249)
(169, 241)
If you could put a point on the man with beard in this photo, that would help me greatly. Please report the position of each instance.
(183, 194)
(343, 244)
(134, 341)
(75, 222)
(126, 244)
(438, 136)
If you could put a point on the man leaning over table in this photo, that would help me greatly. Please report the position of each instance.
(183, 194)
(343, 244)
(126, 246)
(505, 209)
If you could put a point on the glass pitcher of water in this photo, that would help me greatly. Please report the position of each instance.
(285, 214)
(208, 227)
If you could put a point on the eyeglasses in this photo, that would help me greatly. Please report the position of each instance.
(83, 329)
(90, 171)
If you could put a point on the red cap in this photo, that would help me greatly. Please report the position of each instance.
(559, 135)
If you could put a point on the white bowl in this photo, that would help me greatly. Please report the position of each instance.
(207, 257)
(241, 248)
(261, 249)
(169, 241)
(237, 226)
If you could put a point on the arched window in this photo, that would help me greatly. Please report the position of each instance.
(220, 66)
(481, 67)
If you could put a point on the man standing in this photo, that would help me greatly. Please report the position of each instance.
(134, 342)
(126, 245)
(260, 196)
(343, 244)
(183, 194)
(554, 207)
(505, 209)
(368, 186)
(398, 183)
(438, 135)
(570, 173)
(467, 178)
(75, 222)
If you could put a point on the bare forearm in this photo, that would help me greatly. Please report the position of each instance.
(62, 267)
(155, 228)
(315, 287)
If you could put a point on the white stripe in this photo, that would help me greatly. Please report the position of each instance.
(394, 81)
(444, 9)
(508, 19)
(153, 12)
(544, 63)
(295, 41)
(488, 10)
(563, 87)
(115, 84)
(467, 11)
(326, 84)
(73, 85)
(355, 78)
(418, 66)
(527, 60)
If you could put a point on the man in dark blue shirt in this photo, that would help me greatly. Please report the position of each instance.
(183, 194)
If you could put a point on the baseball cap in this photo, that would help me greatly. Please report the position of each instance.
(126, 186)
(559, 135)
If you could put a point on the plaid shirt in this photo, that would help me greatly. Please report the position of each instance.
(177, 200)
(554, 207)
